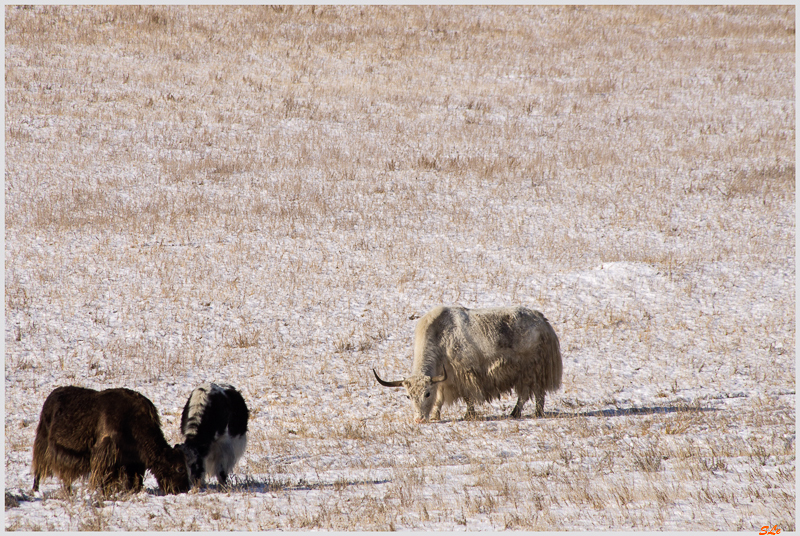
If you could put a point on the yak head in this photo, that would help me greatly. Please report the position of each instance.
(422, 391)
(194, 463)
(172, 472)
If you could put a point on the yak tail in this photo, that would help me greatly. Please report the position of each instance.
(550, 354)
(39, 466)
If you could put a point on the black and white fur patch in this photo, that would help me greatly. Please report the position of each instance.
(214, 427)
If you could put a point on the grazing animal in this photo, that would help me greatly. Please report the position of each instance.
(112, 436)
(479, 354)
(214, 425)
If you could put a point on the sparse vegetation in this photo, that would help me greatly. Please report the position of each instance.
(271, 196)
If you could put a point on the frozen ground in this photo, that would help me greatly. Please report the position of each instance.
(270, 197)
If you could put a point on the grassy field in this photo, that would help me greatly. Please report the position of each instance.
(270, 196)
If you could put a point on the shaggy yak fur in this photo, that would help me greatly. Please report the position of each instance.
(477, 355)
(214, 425)
(111, 436)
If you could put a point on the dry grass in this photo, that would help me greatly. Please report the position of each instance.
(271, 195)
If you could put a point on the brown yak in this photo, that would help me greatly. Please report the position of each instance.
(111, 436)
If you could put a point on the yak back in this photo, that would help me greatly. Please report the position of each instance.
(487, 351)
(210, 410)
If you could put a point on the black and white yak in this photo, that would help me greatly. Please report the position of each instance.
(111, 436)
(214, 426)
(477, 355)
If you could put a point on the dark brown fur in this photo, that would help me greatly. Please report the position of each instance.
(111, 436)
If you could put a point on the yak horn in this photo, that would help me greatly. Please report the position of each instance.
(441, 378)
(387, 384)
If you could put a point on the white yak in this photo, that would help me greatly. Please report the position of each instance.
(479, 354)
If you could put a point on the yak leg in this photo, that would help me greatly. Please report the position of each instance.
(523, 395)
(540, 403)
(516, 413)
(39, 474)
(436, 413)
(131, 476)
(471, 414)
(66, 464)
(103, 464)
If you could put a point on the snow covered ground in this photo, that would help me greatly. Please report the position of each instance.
(271, 196)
